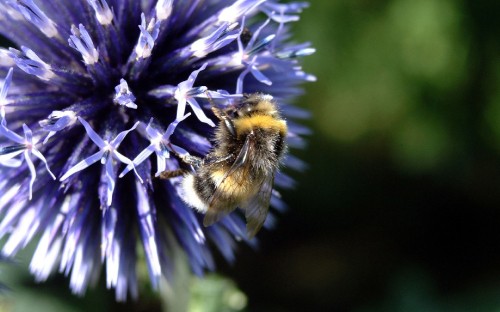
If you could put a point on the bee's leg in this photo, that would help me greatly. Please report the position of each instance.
(186, 158)
(172, 174)
(191, 160)
(213, 159)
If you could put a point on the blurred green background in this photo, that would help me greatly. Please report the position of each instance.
(399, 209)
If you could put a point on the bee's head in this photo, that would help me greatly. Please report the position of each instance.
(257, 103)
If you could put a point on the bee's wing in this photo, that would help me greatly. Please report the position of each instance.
(215, 211)
(258, 206)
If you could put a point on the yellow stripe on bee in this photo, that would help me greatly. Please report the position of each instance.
(247, 124)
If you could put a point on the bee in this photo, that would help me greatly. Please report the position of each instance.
(239, 171)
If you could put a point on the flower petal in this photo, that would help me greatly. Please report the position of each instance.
(83, 164)
(92, 134)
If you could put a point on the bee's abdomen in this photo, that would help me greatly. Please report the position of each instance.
(192, 195)
(204, 185)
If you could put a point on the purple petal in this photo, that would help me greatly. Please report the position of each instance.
(257, 33)
(81, 41)
(260, 76)
(194, 75)
(11, 135)
(40, 156)
(147, 229)
(163, 9)
(172, 126)
(110, 180)
(198, 111)
(83, 164)
(32, 171)
(92, 134)
(121, 136)
(28, 134)
(138, 159)
(102, 11)
(239, 8)
(36, 16)
(126, 161)
(5, 88)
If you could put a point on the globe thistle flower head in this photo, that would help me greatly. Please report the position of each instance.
(95, 89)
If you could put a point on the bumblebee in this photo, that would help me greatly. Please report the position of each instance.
(239, 170)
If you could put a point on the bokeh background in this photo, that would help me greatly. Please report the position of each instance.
(399, 209)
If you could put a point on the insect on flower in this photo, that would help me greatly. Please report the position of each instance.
(239, 171)
(95, 89)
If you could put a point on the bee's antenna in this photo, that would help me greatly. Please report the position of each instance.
(209, 97)
(217, 111)
(222, 115)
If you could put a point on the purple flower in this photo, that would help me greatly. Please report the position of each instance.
(95, 89)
